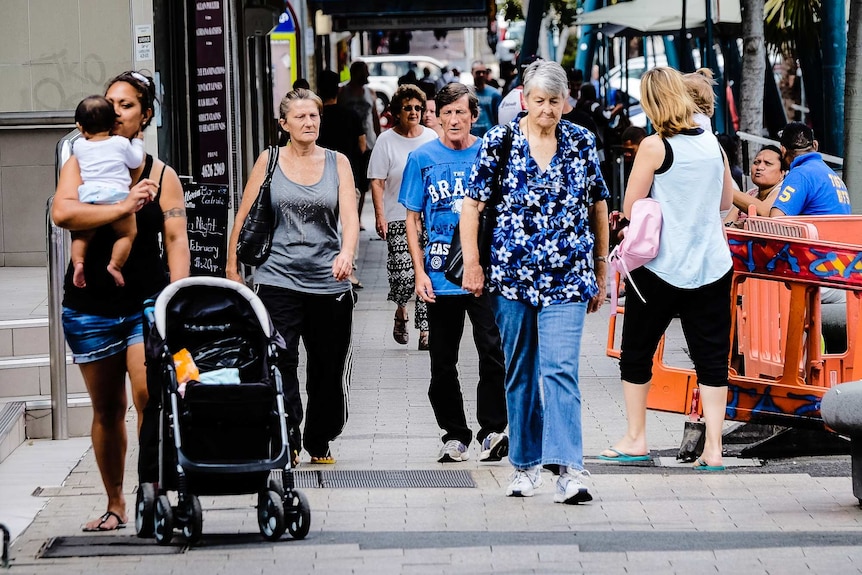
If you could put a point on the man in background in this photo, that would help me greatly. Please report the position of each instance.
(811, 187)
(489, 100)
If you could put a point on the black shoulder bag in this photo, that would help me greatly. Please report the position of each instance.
(255, 237)
(454, 269)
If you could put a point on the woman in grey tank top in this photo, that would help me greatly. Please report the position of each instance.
(304, 283)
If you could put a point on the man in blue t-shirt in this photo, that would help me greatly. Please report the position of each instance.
(810, 188)
(489, 100)
(432, 190)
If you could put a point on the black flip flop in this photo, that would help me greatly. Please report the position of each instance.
(104, 519)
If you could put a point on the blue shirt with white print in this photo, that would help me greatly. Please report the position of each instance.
(434, 184)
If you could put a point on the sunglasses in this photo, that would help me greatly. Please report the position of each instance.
(412, 108)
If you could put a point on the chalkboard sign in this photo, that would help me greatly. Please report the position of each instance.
(207, 213)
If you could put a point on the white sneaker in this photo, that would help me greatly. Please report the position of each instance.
(453, 451)
(494, 447)
(571, 489)
(524, 482)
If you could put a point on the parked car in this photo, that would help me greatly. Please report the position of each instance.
(631, 84)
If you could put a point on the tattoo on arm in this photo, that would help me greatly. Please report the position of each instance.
(175, 213)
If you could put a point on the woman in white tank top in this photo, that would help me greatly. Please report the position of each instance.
(683, 168)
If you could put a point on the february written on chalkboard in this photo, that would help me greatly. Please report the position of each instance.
(207, 215)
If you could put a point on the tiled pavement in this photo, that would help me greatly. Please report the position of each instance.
(650, 519)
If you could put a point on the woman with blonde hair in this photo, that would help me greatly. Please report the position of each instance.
(304, 283)
(684, 169)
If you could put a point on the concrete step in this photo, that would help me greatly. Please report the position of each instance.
(25, 418)
(30, 375)
(38, 416)
(21, 337)
(12, 432)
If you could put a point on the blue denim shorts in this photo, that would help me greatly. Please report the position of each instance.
(93, 337)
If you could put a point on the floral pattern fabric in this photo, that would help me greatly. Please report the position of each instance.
(542, 248)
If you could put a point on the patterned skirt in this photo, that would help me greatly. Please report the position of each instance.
(399, 265)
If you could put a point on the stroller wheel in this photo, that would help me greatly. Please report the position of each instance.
(299, 514)
(145, 503)
(194, 527)
(276, 482)
(270, 515)
(163, 520)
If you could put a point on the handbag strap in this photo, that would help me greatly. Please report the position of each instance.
(270, 167)
(499, 173)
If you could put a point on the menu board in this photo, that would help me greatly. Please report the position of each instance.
(207, 213)
(209, 94)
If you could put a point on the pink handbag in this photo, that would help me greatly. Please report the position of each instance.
(639, 246)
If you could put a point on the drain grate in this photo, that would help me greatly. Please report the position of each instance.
(372, 479)
(102, 545)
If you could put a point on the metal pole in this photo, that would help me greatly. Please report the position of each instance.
(56, 343)
(4, 558)
(57, 239)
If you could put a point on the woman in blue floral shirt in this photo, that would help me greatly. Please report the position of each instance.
(547, 271)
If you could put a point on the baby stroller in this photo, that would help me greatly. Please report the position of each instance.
(226, 437)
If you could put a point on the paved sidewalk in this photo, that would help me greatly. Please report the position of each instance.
(657, 518)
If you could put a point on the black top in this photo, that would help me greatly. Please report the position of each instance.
(340, 128)
(145, 272)
(583, 120)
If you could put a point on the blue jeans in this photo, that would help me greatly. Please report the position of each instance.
(542, 345)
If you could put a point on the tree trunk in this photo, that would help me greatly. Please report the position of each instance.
(853, 109)
(834, 48)
(754, 72)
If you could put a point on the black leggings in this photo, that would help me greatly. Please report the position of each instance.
(705, 315)
(324, 322)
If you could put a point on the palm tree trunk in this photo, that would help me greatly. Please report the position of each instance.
(853, 109)
(834, 59)
(754, 64)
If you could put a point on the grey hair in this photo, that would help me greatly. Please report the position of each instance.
(547, 76)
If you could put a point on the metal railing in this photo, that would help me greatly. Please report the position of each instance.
(58, 242)
(745, 138)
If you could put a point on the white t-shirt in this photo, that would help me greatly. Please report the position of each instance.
(703, 121)
(107, 162)
(510, 106)
(387, 162)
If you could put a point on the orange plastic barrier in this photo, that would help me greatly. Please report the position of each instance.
(764, 307)
(780, 267)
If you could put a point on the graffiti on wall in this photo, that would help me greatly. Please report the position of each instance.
(59, 89)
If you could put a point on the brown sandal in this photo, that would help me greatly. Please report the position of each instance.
(399, 331)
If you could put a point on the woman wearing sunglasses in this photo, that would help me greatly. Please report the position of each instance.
(385, 170)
